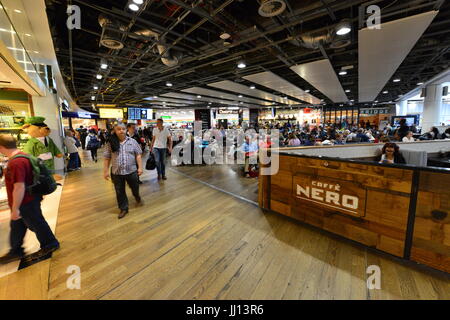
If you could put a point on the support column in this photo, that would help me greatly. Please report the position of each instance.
(401, 108)
(432, 106)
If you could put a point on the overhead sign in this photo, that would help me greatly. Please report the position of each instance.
(111, 113)
(228, 111)
(338, 195)
(84, 115)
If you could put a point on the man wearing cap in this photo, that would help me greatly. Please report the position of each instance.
(39, 144)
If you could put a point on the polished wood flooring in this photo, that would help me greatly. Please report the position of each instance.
(191, 241)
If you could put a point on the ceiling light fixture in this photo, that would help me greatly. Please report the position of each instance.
(99, 76)
(241, 64)
(95, 87)
(17, 11)
(252, 87)
(133, 7)
(385, 92)
(138, 1)
(199, 97)
(342, 73)
(225, 36)
(419, 83)
(93, 98)
(104, 65)
(348, 90)
(307, 91)
(155, 97)
(169, 84)
(396, 80)
(343, 27)
(240, 96)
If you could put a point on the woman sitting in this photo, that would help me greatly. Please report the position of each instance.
(391, 154)
(293, 141)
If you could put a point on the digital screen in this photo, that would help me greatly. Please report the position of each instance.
(140, 114)
(111, 113)
(410, 120)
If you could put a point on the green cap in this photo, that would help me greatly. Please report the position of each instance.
(35, 121)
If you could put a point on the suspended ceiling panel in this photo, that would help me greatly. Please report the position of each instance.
(159, 99)
(322, 76)
(203, 99)
(240, 88)
(271, 80)
(222, 95)
(381, 51)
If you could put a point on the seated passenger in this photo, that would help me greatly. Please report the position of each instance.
(339, 139)
(408, 137)
(391, 154)
(293, 141)
(361, 136)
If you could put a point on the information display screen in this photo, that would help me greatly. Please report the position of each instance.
(140, 114)
(111, 113)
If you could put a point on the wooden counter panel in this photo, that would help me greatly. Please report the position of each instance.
(371, 176)
(364, 203)
(431, 240)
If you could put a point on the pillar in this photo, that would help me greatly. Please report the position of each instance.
(401, 108)
(432, 106)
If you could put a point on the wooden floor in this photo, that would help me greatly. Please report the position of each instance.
(191, 241)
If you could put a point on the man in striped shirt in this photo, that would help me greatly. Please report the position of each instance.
(124, 155)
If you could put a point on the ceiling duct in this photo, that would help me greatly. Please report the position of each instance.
(111, 38)
(271, 8)
(169, 57)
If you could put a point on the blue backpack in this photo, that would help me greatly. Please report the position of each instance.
(93, 143)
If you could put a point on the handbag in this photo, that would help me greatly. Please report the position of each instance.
(151, 162)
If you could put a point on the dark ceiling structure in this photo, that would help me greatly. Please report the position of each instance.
(193, 43)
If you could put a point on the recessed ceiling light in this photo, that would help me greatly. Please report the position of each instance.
(169, 84)
(348, 90)
(307, 90)
(419, 83)
(133, 7)
(99, 76)
(241, 65)
(199, 96)
(376, 101)
(104, 66)
(138, 1)
(28, 35)
(343, 27)
(95, 87)
(155, 97)
(252, 87)
(17, 11)
(240, 96)
(396, 80)
(342, 73)
(385, 92)
(93, 98)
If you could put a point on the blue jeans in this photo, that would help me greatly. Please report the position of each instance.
(74, 161)
(160, 158)
(32, 219)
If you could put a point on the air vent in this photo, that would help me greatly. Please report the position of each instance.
(271, 8)
(111, 35)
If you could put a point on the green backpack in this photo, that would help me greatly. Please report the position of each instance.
(43, 181)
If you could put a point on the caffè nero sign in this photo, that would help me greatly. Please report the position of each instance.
(331, 195)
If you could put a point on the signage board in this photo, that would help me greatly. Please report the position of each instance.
(111, 113)
(341, 196)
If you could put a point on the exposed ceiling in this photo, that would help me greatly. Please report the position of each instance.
(180, 42)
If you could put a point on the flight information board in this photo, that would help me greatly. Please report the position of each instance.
(140, 114)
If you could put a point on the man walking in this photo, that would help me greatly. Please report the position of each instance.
(159, 147)
(25, 208)
(124, 155)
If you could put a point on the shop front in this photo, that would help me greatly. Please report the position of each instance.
(75, 120)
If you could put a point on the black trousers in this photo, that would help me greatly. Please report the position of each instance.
(94, 154)
(119, 184)
(32, 219)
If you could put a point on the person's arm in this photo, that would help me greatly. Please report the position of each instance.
(18, 194)
(152, 143)
(170, 142)
(107, 161)
(139, 163)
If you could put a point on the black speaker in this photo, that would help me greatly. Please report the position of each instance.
(445, 91)
(423, 93)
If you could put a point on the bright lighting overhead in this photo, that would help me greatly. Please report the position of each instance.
(169, 84)
(17, 11)
(104, 66)
(348, 90)
(307, 91)
(240, 96)
(99, 76)
(138, 1)
(36, 51)
(342, 31)
(252, 87)
(93, 98)
(420, 83)
(95, 87)
(28, 35)
(385, 92)
(241, 65)
(155, 97)
(133, 7)
(342, 73)
(396, 80)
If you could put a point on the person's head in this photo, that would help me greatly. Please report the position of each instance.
(8, 144)
(409, 134)
(131, 127)
(390, 149)
(402, 121)
(69, 133)
(92, 131)
(120, 131)
(160, 123)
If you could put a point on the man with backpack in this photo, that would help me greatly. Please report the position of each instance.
(92, 144)
(25, 204)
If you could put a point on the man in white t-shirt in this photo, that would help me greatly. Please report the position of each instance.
(161, 143)
(408, 137)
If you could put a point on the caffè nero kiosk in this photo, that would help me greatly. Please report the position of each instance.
(403, 210)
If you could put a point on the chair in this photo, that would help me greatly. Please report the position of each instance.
(415, 157)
